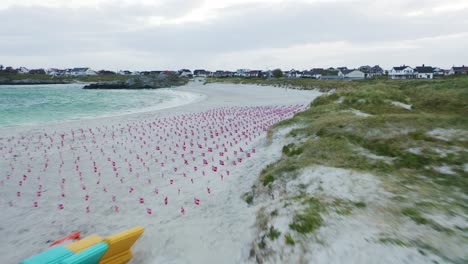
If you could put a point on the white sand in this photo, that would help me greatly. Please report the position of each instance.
(219, 230)
(402, 105)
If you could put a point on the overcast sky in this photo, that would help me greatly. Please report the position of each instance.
(232, 34)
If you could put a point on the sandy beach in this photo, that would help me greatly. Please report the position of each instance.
(179, 172)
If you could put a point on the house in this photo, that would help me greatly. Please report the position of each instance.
(185, 73)
(201, 73)
(438, 72)
(317, 73)
(10, 69)
(365, 68)
(331, 74)
(294, 74)
(168, 72)
(55, 72)
(307, 74)
(267, 74)
(331, 77)
(424, 72)
(242, 73)
(124, 72)
(402, 72)
(105, 72)
(22, 70)
(223, 74)
(253, 74)
(313, 73)
(80, 72)
(376, 71)
(37, 71)
(353, 74)
(150, 72)
(459, 70)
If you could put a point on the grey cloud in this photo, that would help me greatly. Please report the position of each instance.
(115, 29)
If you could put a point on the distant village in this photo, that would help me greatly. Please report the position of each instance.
(338, 73)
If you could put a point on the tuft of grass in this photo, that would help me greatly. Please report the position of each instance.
(269, 178)
(274, 213)
(292, 150)
(273, 233)
(248, 198)
(289, 240)
(360, 204)
(342, 207)
(414, 215)
(262, 243)
(309, 219)
(393, 241)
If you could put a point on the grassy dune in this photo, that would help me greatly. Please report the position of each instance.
(411, 134)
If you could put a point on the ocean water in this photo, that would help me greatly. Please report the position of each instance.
(38, 104)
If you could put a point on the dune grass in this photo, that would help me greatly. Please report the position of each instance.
(426, 174)
(334, 137)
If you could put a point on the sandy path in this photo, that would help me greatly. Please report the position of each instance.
(219, 230)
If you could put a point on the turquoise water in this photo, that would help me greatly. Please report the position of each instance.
(37, 104)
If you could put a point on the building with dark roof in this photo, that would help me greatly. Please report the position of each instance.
(459, 70)
(424, 72)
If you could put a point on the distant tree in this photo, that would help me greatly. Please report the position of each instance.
(1, 67)
(278, 73)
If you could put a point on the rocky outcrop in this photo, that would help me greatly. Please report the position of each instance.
(140, 82)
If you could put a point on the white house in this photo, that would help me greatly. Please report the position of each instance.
(438, 71)
(424, 72)
(294, 74)
(355, 75)
(55, 72)
(81, 72)
(23, 70)
(314, 73)
(185, 73)
(402, 72)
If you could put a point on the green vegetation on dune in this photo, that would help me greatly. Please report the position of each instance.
(334, 136)
(411, 134)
